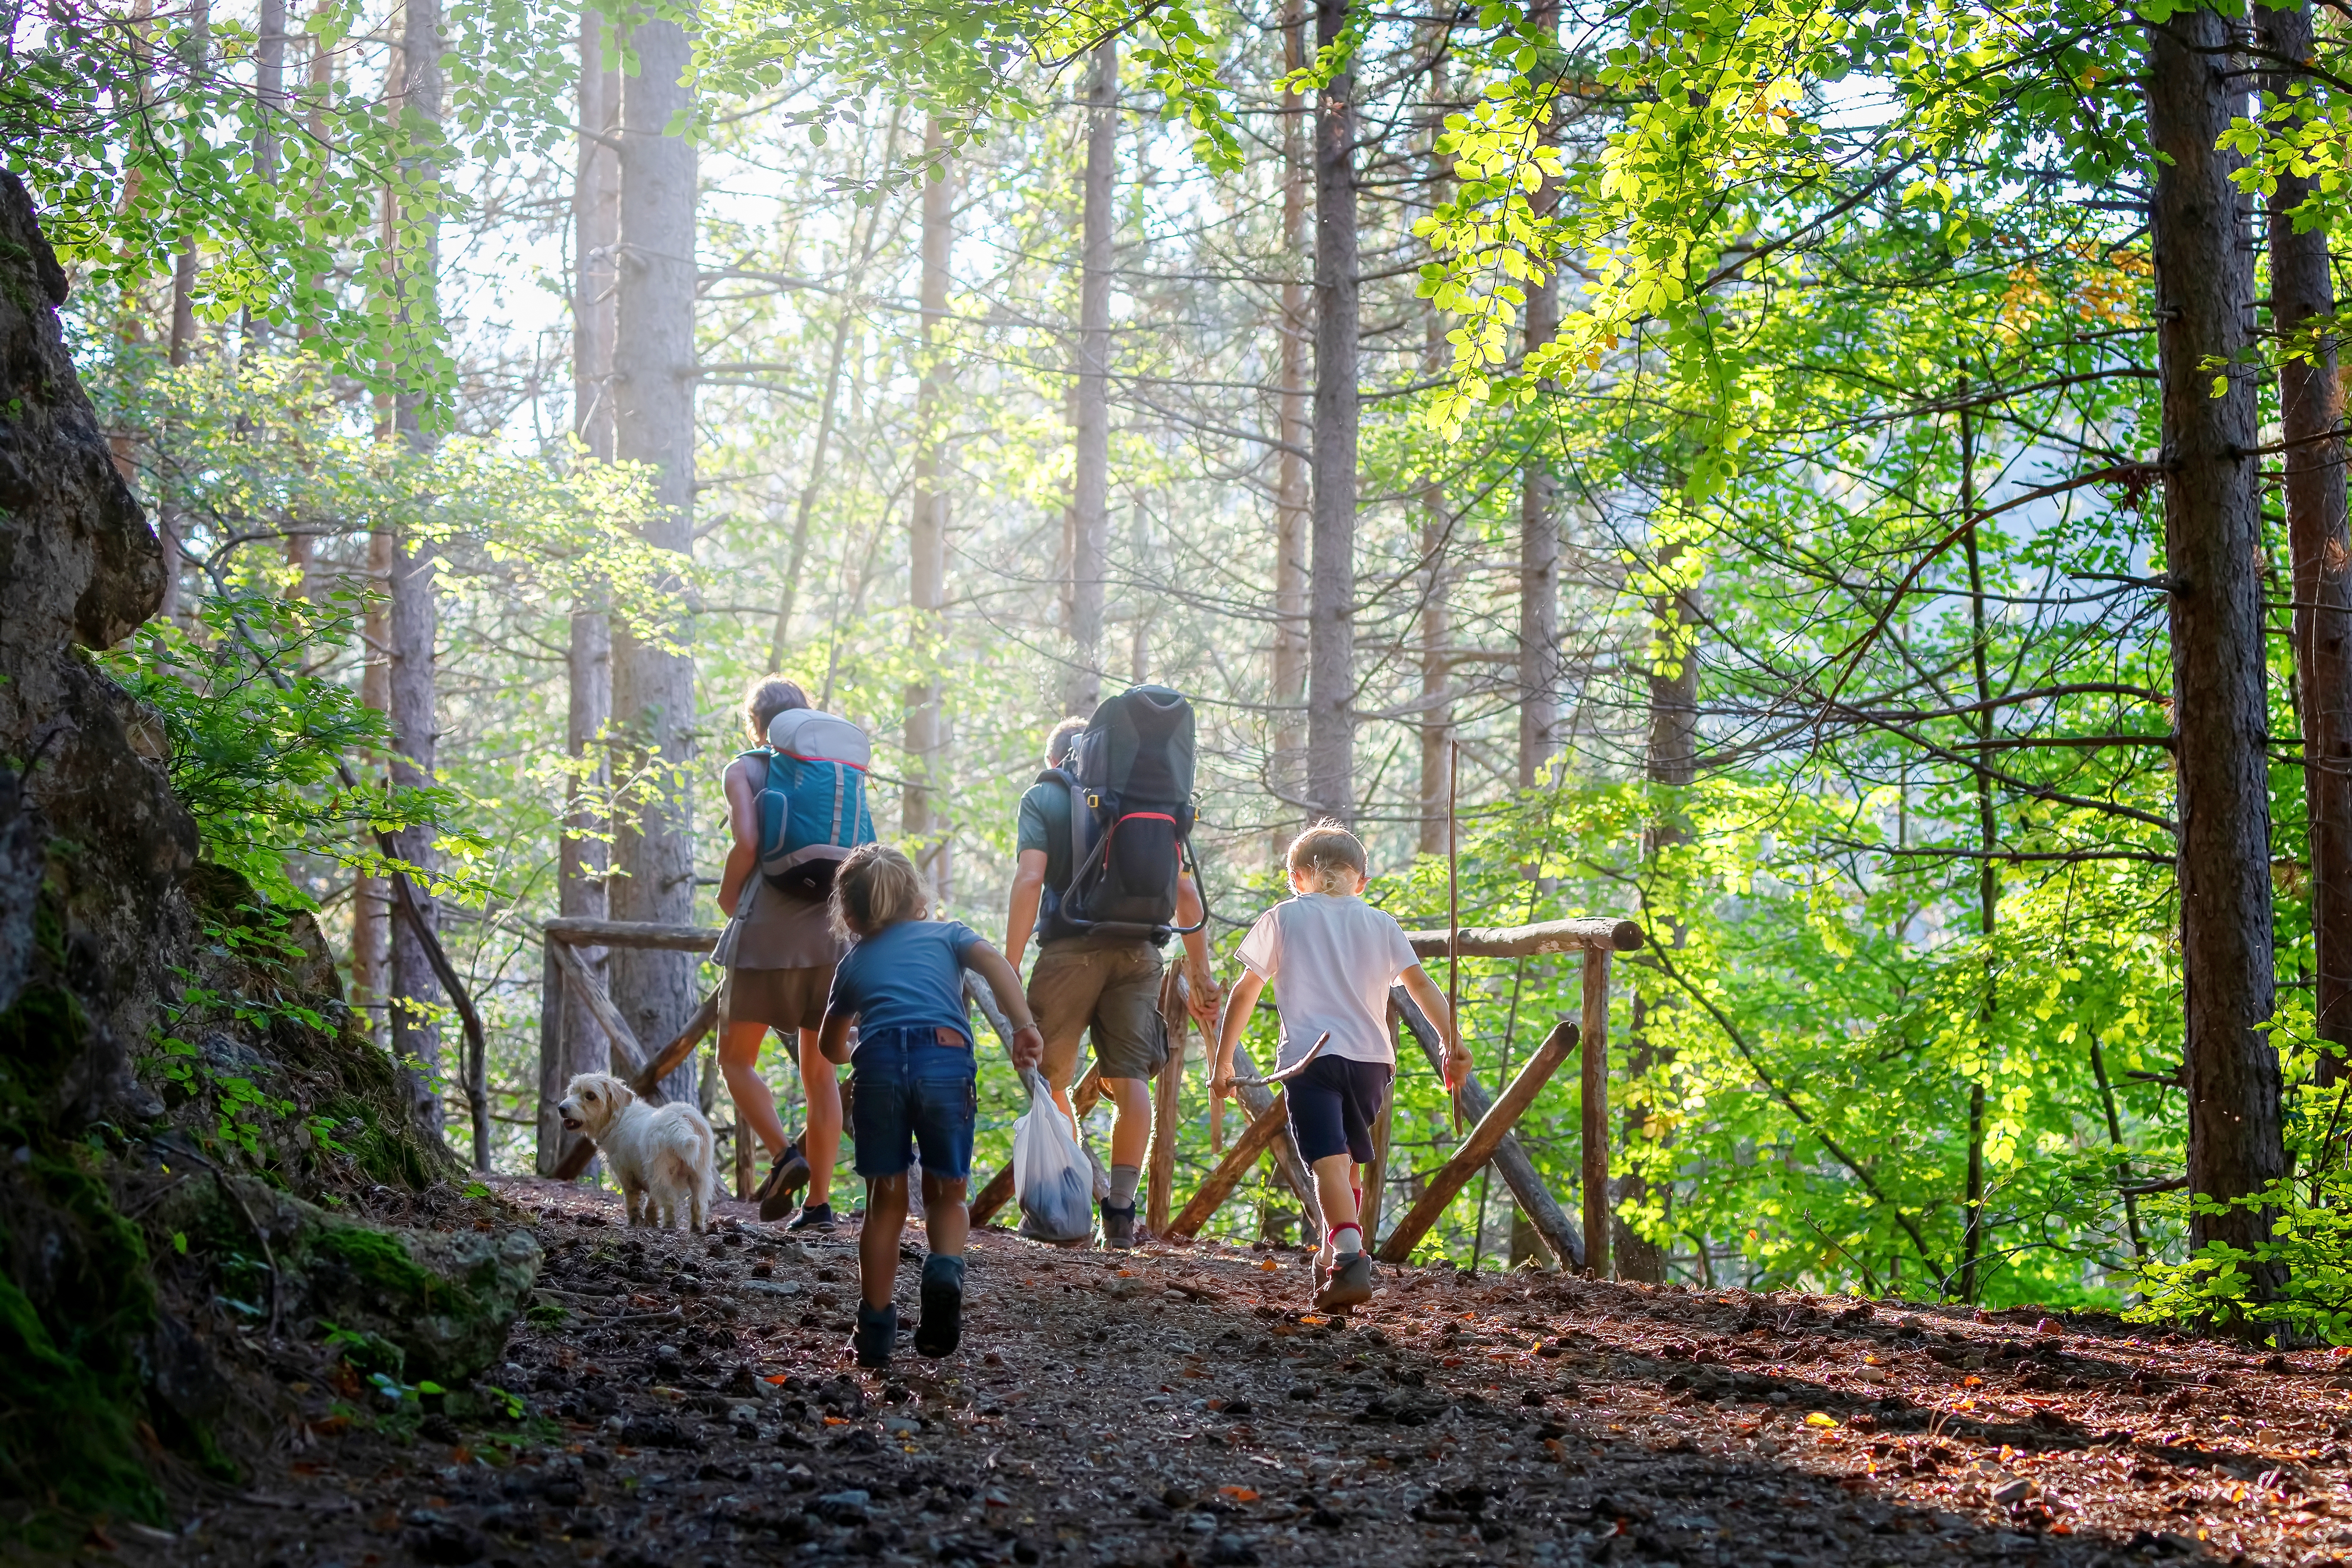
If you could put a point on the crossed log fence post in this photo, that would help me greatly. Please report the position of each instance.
(1492, 1138)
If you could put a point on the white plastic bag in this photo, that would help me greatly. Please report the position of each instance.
(1050, 1174)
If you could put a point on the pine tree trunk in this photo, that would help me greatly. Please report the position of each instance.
(171, 524)
(652, 405)
(1538, 650)
(582, 857)
(927, 531)
(372, 896)
(415, 618)
(2311, 411)
(1973, 1231)
(1089, 560)
(1330, 624)
(1437, 580)
(2212, 547)
(1288, 773)
(1671, 761)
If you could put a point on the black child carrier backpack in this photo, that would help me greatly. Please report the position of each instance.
(1130, 778)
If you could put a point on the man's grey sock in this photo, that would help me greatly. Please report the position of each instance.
(1122, 1185)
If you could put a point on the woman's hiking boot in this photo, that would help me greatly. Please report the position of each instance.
(876, 1333)
(813, 1217)
(1119, 1226)
(786, 1176)
(941, 1326)
(1350, 1284)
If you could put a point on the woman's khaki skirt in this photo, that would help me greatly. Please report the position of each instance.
(785, 999)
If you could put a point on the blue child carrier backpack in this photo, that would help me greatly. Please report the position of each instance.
(812, 808)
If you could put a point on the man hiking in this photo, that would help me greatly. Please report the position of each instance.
(1103, 975)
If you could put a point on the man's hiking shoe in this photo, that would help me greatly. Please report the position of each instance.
(785, 1177)
(1119, 1226)
(1350, 1284)
(877, 1333)
(942, 1321)
(813, 1217)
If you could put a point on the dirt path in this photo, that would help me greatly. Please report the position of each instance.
(1173, 1406)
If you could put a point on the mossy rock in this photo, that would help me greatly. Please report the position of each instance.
(447, 1299)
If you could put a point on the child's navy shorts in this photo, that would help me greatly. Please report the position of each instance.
(1333, 1106)
(914, 1090)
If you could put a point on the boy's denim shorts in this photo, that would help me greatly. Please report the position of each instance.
(914, 1090)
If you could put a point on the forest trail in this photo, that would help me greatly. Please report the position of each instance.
(1174, 1406)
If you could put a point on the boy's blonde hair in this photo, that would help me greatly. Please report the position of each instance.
(1330, 859)
(876, 886)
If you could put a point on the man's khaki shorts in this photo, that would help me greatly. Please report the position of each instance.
(1114, 987)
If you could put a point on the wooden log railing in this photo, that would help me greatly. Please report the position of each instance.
(1492, 1139)
(1480, 1146)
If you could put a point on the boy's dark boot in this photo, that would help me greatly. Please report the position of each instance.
(877, 1332)
(1118, 1225)
(941, 1326)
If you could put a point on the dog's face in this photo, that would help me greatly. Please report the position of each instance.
(591, 1101)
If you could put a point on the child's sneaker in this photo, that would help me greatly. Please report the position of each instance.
(786, 1176)
(941, 1326)
(876, 1333)
(1350, 1284)
(816, 1217)
(1119, 1226)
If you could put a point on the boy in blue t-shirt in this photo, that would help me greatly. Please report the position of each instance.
(901, 983)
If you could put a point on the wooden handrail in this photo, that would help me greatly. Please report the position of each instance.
(1480, 1146)
(578, 930)
(1586, 931)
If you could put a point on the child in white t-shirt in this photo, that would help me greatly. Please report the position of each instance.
(1332, 959)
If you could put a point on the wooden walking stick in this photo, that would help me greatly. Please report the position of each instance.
(1452, 925)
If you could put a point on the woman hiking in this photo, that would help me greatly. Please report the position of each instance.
(779, 952)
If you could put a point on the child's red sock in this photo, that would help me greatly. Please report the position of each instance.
(1348, 1240)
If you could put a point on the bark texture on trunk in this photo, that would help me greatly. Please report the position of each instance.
(584, 855)
(1288, 772)
(415, 618)
(2311, 412)
(1972, 1232)
(927, 526)
(1671, 761)
(372, 896)
(2213, 547)
(1330, 626)
(1437, 578)
(1090, 554)
(653, 404)
(1538, 648)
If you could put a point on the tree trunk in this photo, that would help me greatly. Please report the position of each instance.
(2311, 411)
(2212, 549)
(1436, 622)
(1538, 649)
(170, 523)
(927, 531)
(321, 83)
(372, 896)
(415, 619)
(1330, 627)
(1090, 557)
(1672, 762)
(1973, 1231)
(653, 406)
(1288, 773)
(583, 859)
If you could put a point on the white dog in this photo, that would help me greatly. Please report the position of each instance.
(661, 1154)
